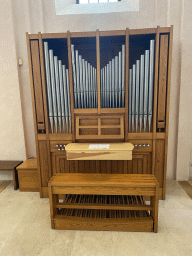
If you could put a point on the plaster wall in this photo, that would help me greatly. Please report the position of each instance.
(12, 144)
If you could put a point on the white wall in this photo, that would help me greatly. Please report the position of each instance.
(185, 103)
(39, 15)
(12, 144)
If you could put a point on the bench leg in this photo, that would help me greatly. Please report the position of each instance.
(154, 212)
(15, 179)
(53, 200)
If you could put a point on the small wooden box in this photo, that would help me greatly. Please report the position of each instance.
(112, 151)
(28, 176)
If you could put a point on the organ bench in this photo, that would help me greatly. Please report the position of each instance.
(103, 202)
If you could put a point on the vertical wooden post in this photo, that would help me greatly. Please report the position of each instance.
(34, 111)
(53, 200)
(71, 84)
(98, 71)
(126, 83)
(45, 100)
(155, 96)
(154, 213)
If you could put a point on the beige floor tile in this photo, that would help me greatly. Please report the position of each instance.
(25, 230)
(91, 243)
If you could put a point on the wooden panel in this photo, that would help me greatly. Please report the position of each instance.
(157, 41)
(37, 84)
(112, 33)
(61, 165)
(93, 190)
(100, 127)
(71, 84)
(44, 167)
(86, 166)
(28, 176)
(142, 136)
(103, 165)
(163, 63)
(120, 166)
(140, 164)
(112, 151)
(30, 163)
(159, 161)
(54, 35)
(83, 34)
(104, 225)
(28, 180)
(61, 136)
(72, 166)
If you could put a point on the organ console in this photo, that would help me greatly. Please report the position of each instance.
(107, 87)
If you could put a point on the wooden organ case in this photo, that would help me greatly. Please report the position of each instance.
(101, 87)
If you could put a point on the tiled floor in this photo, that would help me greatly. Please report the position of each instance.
(25, 230)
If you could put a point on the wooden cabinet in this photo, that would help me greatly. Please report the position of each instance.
(101, 87)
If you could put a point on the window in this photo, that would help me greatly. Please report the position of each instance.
(64, 7)
(96, 1)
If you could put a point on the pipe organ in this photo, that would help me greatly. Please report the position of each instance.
(101, 87)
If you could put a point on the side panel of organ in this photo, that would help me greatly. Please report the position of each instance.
(101, 87)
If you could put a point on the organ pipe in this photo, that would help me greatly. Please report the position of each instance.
(112, 88)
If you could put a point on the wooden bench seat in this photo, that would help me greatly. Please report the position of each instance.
(28, 176)
(104, 202)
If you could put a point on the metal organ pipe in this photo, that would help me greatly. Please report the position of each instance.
(110, 100)
(130, 97)
(68, 96)
(107, 87)
(105, 92)
(89, 84)
(137, 95)
(83, 83)
(141, 92)
(86, 84)
(146, 88)
(48, 79)
(133, 98)
(96, 87)
(62, 93)
(65, 98)
(58, 93)
(113, 81)
(78, 82)
(123, 75)
(150, 106)
(116, 80)
(53, 88)
(102, 87)
(120, 63)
